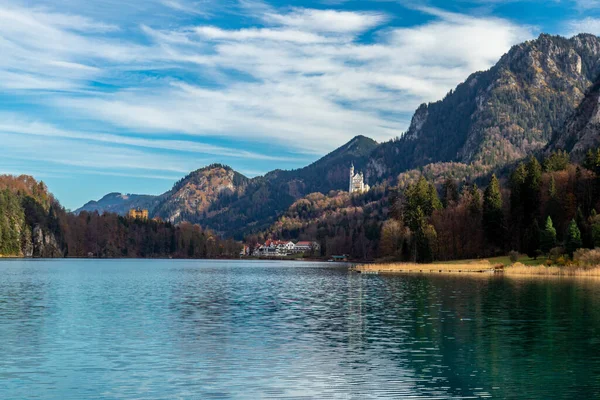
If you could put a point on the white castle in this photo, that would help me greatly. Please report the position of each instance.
(357, 182)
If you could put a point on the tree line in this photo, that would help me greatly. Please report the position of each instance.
(33, 223)
(541, 209)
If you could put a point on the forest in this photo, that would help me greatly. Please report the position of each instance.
(34, 224)
(542, 209)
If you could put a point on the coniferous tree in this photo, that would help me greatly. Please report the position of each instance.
(517, 210)
(493, 215)
(475, 206)
(573, 238)
(533, 181)
(532, 239)
(595, 222)
(450, 193)
(557, 161)
(548, 236)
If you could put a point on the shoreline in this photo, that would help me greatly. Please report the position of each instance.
(478, 268)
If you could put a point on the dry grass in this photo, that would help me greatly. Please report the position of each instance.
(520, 269)
(480, 267)
(468, 267)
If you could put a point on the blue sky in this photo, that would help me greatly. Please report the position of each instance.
(130, 95)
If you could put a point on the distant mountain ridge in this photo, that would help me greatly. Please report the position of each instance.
(494, 118)
(499, 115)
(119, 203)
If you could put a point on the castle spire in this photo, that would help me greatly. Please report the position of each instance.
(351, 177)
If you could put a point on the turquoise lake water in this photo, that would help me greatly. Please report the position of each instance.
(166, 329)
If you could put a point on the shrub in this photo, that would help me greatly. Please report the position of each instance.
(562, 261)
(513, 256)
(587, 258)
(555, 253)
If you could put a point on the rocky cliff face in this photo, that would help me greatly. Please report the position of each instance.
(502, 114)
(582, 130)
(43, 245)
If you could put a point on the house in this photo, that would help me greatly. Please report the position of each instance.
(138, 213)
(245, 252)
(305, 247)
(270, 251)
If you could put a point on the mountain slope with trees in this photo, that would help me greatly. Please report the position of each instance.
(34, 224)
(501, 115)
(492, 120)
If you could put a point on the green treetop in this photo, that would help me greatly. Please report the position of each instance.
(573, 238)
(548, 236)
(493, 215)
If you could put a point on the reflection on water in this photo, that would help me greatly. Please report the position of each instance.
(215, 329)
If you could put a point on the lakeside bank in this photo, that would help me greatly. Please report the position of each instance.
(481, 267)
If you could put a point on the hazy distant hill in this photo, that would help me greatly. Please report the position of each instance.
(120, 203)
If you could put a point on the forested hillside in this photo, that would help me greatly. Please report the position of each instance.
(542, 209)
(34, 224)
(501, 115)
(493, 119)
(340, 222)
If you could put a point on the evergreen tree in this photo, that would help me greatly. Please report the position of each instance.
(493, 215)
(533, 182)
(475, 203)
(557, 161)
(422, 237)
(548, 236)
(573, 238)
(595, 230)
(421, 195)
(517, 211)
(450, 193)
(532, 240)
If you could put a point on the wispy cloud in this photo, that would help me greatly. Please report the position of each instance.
(331, 21)
(299, 79)
(586, 25)
(307, 81)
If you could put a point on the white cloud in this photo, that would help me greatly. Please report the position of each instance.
(327, 20)
(285, 35)
(587, 4)
(586, 25)
(12, 124)
(301, 79)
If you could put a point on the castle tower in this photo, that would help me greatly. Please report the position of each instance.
(350, 190)
(357, 182)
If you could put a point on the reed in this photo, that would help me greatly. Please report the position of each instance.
(552, 271)
(479, 266)
(483, 266)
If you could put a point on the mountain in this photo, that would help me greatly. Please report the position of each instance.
(120, 203)
(265, 198)
(192, 197)
(493, 119)
(581, 131)
(500, 115)
(229, 203)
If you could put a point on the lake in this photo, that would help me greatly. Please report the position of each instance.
(175, 329)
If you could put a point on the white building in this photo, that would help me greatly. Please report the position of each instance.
(306, 247)
(357, 182)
